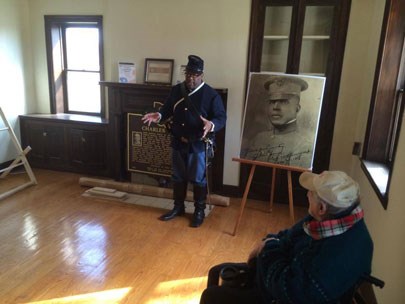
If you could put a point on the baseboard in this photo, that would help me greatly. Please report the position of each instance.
(230, 191)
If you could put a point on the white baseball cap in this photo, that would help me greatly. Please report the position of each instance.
(334, 187)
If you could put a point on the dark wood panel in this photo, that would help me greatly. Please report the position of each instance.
(386, 82)
(46, 141)
(87, 149)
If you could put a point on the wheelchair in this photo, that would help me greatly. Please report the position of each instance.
(235, 274)
(355, 294)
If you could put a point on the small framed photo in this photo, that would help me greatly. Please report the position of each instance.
(158, 71)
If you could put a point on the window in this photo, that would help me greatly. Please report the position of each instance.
(387, 106)
(75, 64)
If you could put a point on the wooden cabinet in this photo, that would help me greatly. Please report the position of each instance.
(66, 142)
(301, 37)
(87, 149)
(47, 143)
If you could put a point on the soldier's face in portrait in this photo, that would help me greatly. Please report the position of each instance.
(283, 111)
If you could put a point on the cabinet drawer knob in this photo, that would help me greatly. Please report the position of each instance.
(83, 139)
(44, 134)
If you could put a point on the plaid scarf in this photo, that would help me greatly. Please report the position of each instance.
(319, 230)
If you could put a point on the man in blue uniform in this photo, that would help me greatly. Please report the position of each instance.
(315, 261)
(196, 110)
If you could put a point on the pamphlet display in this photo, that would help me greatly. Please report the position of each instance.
(126, 72)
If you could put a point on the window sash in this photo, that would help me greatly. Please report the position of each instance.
(83, 91)
(386, 109)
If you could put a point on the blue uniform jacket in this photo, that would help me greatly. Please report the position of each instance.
(186, 124)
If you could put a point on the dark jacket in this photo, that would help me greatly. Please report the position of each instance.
(298, 269)
(186, 121)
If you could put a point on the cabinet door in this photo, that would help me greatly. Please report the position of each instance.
(47, 144)
(316, 39)
(88, 150)
(35, 136)
(276, 38)
(55, 145)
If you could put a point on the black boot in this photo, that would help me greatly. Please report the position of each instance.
(200, 196)
(179, 195)
(177, 210)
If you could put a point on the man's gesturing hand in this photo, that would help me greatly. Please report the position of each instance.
(151, 117)
(207, 126)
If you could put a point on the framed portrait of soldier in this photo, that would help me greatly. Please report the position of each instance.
(281, 118)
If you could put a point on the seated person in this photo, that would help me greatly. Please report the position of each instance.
(315, 261)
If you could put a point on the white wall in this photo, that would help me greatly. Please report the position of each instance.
(354, 100)
(216, 30)
(15, 71)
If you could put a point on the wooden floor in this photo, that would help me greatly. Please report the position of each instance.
(57, 246)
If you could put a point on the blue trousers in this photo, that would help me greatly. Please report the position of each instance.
(189, 167)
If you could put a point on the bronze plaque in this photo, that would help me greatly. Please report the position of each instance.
(149, 148)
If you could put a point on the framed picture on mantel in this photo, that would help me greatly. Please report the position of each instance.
(158, 71)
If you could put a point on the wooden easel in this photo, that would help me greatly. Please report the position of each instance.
(275, 167)
(20, 160)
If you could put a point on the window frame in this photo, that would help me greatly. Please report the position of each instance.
(387, 105)
(55, 26)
